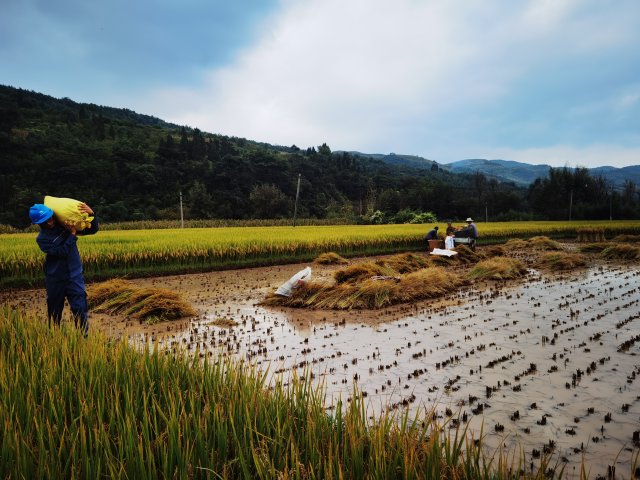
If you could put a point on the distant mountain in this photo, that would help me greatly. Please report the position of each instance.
(413, 161)
(524, 173)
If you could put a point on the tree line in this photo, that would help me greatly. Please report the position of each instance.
(134, 167)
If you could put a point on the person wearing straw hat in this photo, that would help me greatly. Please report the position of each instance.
(471, 227)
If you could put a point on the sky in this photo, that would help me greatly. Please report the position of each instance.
(552, 82)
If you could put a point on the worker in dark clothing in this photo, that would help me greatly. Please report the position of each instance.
(450, 228)
(433, 234)
(62, 266)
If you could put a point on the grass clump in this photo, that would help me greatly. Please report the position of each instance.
(562, 260)
(621, 251)
(115, 412)
(371, 293)
(544, 243)
(330, 258)
(498, 268)
(149, 305)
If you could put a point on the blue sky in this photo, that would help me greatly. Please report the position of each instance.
(544, 81)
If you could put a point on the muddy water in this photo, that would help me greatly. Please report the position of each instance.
(548, 363)
(537, 364)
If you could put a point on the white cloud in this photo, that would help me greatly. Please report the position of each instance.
(372, 74)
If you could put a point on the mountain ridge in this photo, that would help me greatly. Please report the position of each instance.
(520, 173)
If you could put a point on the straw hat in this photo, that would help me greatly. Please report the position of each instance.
(469, 219)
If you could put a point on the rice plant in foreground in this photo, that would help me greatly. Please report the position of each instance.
(91, 408)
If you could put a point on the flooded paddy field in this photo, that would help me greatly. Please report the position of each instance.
(548, 363)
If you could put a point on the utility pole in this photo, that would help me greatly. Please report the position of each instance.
(486, 212)
(611, 204)
(295, 208)
(570, 203)
(181, 214)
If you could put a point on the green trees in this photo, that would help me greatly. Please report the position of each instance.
(128, 165)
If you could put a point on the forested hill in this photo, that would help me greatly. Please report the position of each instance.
(129, 166)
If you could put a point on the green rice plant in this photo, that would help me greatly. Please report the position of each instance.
(92, 408)
(330, 258)
(621, 251)
(562, 260)
(497, 268)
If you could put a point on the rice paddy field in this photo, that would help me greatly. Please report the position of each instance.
(524, 367)
(158, 252)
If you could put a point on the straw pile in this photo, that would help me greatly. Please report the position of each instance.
(562, 260)
(149, 305)
(621, 251)
(544, 243)
(594, 247)
(627, 238)
(330, 258)
(498, 268)
(372, 292)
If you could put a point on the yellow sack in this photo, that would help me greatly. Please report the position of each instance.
(66, 210)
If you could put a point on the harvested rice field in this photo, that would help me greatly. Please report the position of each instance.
(547, 362)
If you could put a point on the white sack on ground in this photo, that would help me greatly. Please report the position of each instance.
(287, 288)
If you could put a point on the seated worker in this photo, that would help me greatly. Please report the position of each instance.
(433, 234)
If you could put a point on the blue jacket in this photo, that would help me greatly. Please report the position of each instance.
(63, 259)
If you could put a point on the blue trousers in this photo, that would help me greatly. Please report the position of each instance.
(73, 290)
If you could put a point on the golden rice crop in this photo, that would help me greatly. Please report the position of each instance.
(154, 252)
(76, 407)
